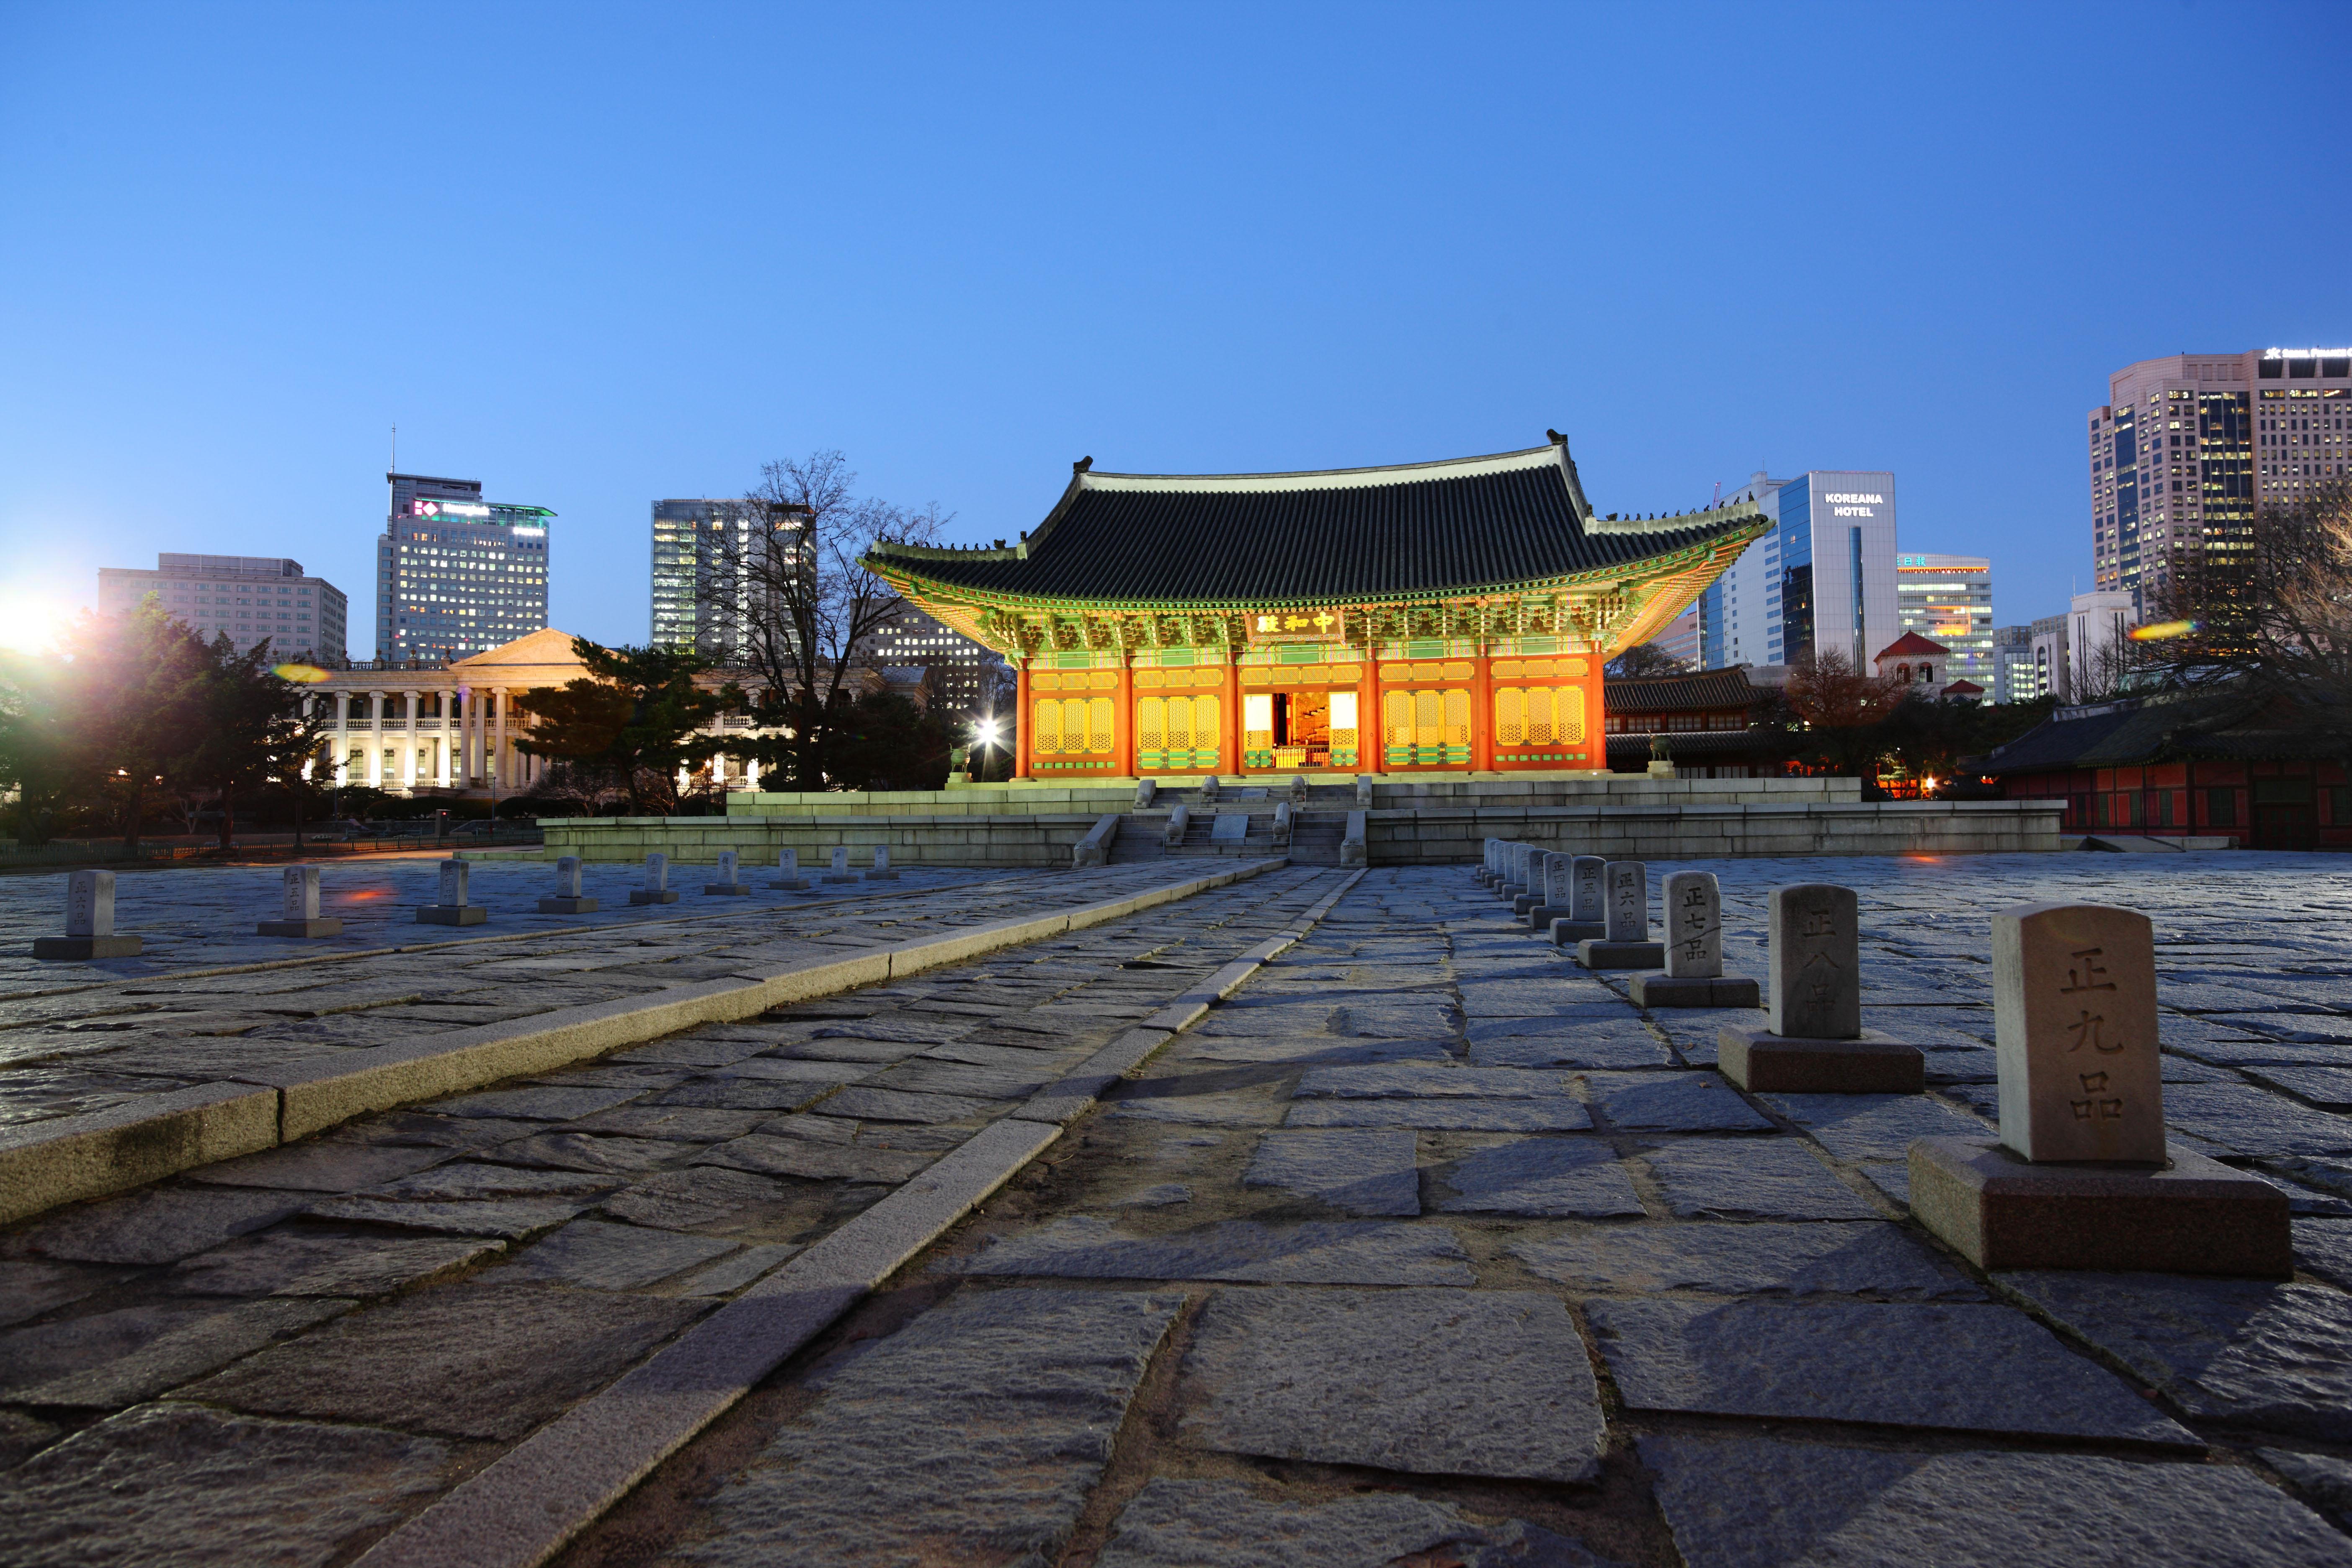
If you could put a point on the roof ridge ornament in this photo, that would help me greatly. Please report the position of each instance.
(1083, 463)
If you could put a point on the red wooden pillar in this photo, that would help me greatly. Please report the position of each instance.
(1229, 720)
(1595, 744)
(1021, 724)
(1123, 718)
(1482, 711)
(1372, 737)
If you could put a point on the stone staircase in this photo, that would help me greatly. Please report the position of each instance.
(1315, 836)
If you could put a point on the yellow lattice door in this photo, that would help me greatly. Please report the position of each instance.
(1047, 717)
(1510, 707)
(1099, 712)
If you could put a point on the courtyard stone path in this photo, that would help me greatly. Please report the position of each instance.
(1422, 1246)
(81, 1037)
(270, 1358)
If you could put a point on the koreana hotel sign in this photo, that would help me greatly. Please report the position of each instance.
(1450, 615)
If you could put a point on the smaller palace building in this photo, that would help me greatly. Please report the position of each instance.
(1432, 617)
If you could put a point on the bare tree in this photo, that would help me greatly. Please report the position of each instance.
(1644, 658)
(802, 606)
(2281, 623)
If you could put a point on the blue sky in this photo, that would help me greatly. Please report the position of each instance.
(596, 255)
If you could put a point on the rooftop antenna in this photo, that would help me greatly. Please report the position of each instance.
(396, 448)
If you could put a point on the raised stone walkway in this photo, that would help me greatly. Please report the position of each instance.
(1421, 1246)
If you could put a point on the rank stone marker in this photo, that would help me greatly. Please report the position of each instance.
(1813, 1041)
(451, 909)
(2083, 1176)
(730, 883)
(1586, 898)
(1484, 875)
(882, 872)
(1555, 881)
(89, 922)
(788, 872)
(1694, 976)
(298, 913)
(657, 887)
(1531, 882)
(841, 871)
(1626, 909)
(567, 899)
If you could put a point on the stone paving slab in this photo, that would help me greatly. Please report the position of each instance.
(1356, 1171)
(1318, 1253)
(1894, 1366)
(1753, 1502)
(1863, 1258)
(1774, 1179)
(1549, 1178)
(2248, 1351)
(1188, 1524)
(1429, 1381)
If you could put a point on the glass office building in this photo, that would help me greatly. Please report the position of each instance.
(707, 568)
(456, 575)
(1947, 599)
(1821, 580)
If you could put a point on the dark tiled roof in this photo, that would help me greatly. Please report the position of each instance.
(1707, 688)
(1347, 534)
(2142, 730)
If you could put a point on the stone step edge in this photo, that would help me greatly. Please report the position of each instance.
(68, 1158)
(303, 960)
(529, 1503)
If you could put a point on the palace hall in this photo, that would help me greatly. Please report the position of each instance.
(1443, 616)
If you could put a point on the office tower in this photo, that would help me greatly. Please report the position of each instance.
(2098, 643)
(1680, 640)
(2013, 676)
(248, 596)
(2187, 448)
(909, 640)
(1947, 599)
(710, 561)
(1821, 580)
(456, 575)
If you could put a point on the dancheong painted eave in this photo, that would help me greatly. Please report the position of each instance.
(1510, 524)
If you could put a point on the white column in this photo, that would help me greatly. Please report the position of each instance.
(343, 738)
(408, 745)
(498, 768)
(375, 740)
(448, 732)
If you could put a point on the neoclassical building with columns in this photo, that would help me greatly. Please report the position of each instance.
(1449, 616)
(453, 726)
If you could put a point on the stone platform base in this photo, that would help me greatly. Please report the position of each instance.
(89, 946)
(300, 928)
(648, 896)
(1524, 904)
(727, 889)
(792, 885)
(2000, 1211)
(1767, 1063)
(567, 906)
(453, 914)
(1598, 954)
(1541, 916)
(1716, 991)
(1567, 932)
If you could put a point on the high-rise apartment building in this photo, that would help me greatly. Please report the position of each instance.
(1947, 599)
(709, 559)
(248, 596)
(2013, 673)
(1820, 580)
(456, 575)
(2186, 448)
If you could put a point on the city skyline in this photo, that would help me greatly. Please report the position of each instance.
(975, 309)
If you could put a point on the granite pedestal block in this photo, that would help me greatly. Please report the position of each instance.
(727, 889)
(1602, 954)
(327, 927)
(1541, 916)
(792, 884)
(567, 906)
(452, 914)
(1765, 1063)
(87, 946)
(831, 877)
(1523, 902)
(1568, 934)
(652, 895)
(1707, 991)
(2000, 1211)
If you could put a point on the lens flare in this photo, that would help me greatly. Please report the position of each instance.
(303, 674)
(2161, 630)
